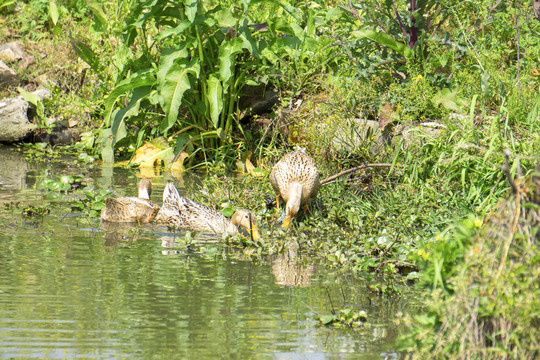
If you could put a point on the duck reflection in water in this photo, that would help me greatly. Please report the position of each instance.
(289, 271)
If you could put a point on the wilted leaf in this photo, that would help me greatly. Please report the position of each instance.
(178, 165)
(151, 152)
(252, 170)
(386, 116)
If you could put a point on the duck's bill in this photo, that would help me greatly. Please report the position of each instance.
(254, 232)
(287, 222)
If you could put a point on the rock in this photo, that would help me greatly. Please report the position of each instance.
(419, 134)
(536, 8)
(27, 61)
(43, 93)
(14, 124)
(58, 135)
(11, 52)
(256, 100)
(354, 133)
(7, 76)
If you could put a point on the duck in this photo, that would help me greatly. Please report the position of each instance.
(184, 213)
(295, 180)
(131, 209)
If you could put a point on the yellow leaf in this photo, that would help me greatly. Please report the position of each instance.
(152, 153)
(252, 170)
(178, 165)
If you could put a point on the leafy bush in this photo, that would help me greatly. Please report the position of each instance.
(489, 310)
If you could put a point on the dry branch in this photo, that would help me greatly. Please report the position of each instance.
(348, 171)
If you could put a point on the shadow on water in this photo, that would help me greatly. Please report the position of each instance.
(72, 288)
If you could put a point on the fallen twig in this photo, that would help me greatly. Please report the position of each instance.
(348, 171)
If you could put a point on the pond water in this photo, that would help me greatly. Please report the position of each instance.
(72, 289)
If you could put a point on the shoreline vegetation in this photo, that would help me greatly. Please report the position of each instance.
(422, 116)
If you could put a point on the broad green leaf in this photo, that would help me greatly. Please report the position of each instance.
(270, 55)
(28, 96)
(174, 31)
(248, 42)
(214, 96)
(118, 129)
(224, 17)
(173, 81)
(86, 54)
(191, 9)
(227, 54)
(385, 40)
(53, 12)
(118, 124)
(6, 3)
(137, 80)
(100, 19)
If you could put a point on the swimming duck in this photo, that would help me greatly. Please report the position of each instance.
(131, 209)
(295, 179)
(185, 213)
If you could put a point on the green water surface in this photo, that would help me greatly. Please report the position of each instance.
(71, 289)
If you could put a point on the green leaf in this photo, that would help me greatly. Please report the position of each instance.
(53, 12)
(100, 19)
(228, 212)
(328, 319)
(385, 40)
(191, 9)
(449, 100)
(227, 54)
(175, 31)
(28, 96)
(118, 117)
(173, 81)
(140, 79)
(214, 96)
(85, 53)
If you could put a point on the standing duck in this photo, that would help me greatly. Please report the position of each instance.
(295, 179)
(131, 209)
(185, 213)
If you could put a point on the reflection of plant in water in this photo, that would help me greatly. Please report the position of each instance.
(31, 210)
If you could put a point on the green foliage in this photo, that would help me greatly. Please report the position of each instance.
(346, 318)
(35, 100)
(94, 201)
(192, 61)
(64, 184)
(35, 211)
(485, 274)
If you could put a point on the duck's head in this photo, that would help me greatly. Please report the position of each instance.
(145, 188)
(248, 220)
(293, 204)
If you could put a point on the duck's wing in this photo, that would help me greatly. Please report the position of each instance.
(200, 217)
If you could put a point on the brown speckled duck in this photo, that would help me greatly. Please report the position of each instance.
(295, 179)
(131, 209)
(185, 213)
